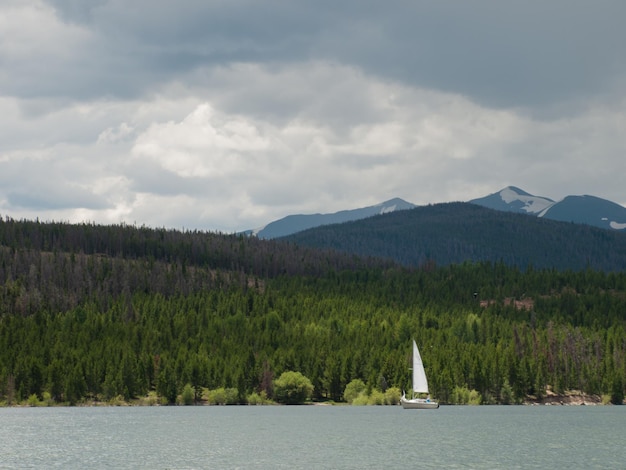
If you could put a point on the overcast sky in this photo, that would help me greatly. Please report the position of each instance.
(223, 115)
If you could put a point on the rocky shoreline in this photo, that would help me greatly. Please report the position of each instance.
(572, 398)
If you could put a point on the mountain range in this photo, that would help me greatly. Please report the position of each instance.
(585, 209)
(457, 232)
(589, 210)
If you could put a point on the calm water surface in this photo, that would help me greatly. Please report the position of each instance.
(313, 437)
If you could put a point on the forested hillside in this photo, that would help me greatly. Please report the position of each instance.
(453, 233)
(93, 312)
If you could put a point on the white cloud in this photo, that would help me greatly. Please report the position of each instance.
(38, 51)
(112, 135)
(202, 145)
(31, 30)
(273, 166)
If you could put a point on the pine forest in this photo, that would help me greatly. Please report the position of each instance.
(110, 314)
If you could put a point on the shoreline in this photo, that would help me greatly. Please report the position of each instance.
(570, 398)
(553, 400)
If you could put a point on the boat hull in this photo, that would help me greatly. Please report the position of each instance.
(418, 404)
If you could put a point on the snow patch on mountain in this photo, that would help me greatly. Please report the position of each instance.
(390, 206)
(532, 204)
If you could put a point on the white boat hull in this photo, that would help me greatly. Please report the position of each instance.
(418, 404)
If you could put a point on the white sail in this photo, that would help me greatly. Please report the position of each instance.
(420, 384)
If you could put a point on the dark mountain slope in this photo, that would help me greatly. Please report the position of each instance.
(458, 232)
(588, 210)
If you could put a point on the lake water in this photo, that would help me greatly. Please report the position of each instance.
(314, 437)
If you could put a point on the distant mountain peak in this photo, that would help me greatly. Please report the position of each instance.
(395, 204)
(515, 190)
(297, 223)
(513, 199)
(584, 209)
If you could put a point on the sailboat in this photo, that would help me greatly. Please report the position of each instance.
(420, 386)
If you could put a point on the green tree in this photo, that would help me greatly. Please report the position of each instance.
(166, 383)
(223, 396)
(292, 388)
(188, 395)
(506, 393)
(617, 391)
(353, 390)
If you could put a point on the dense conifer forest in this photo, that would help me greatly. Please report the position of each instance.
(453, 233)
(109, 313)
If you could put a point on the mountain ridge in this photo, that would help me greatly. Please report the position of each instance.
(586, 209)
(460, 232)
(299, 222)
